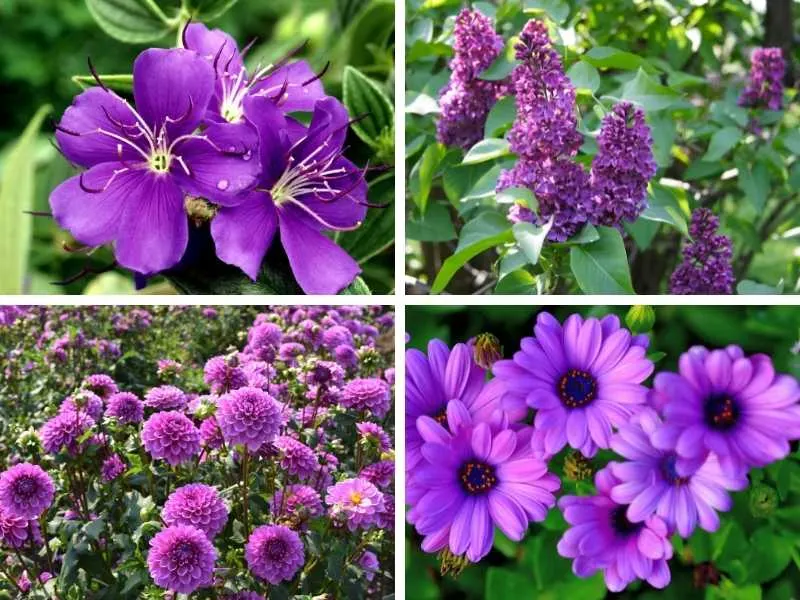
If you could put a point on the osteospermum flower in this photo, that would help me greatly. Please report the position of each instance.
(26, 491)
(371, 395)
(583, 379)
(13, 529)
(650, 484)
(474, 478)
(274, 553)
(724, 402)
(198, 505)
(142, 161)
(603, 539)
(166, 397)
(355, 502)
(64, 430)
(248, 416)
(112, 468)
(125, 407)
(172, 436)
(181, 559)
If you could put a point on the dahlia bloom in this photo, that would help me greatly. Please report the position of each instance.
(368, 561)
(337, 335)
(765, 87)
(222, 377)
(125, 407)
(172, 436)
(380, 473)
(198, 505)
(372, 433)
(295, 457)
(248, 416)
(724, 402)
(13, 529)
(583, 379)
(64, 430)
(367, 394)
(706, 266)
(274, 553)
(100, 384)
(210, 433)
(26, 491)
(83, 401)
(166, 397)
(112, 468)
(603, 539)
(298, 501)
(356, 502)
(181, 559)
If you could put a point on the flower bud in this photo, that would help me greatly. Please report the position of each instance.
(763, 500)
(640, 319)
(486, 350)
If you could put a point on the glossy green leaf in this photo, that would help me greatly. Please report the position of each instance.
(502, 584)
(376, 233)
(517, 282)
(602, 266)
(648, 93)
(531, 238)
(746, 287)
(484, 150)
(558, 10)
(434, 226)
(721, 143)
(206, 10)
(132, 21)
(365, 96)
(755, 183)
(120, 83)
(501, 117)
(663, 207)
(584, 76)
(606, 57)
(422, 175)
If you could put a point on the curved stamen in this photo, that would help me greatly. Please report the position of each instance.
(116, 122)
(126, 141)
(85, 271)
(184, 116)
(63, 129)
(95, 75)
(183, 33)
(318, 75)
(219, 53)
(89, 190)
(247, 47)
(277, 97)
(194, 136)
(38, 213)
(319, 219)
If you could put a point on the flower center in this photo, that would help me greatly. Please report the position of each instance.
(670, 473)
(441, 417)
(276, 549)
(183, 552)
(577, 389)
(477, 478)
(721, 412)
(26, 486)
(160, 161)
(355, 498)
(621, 524)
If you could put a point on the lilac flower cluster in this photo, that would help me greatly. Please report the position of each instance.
(466, 100)
(765, 87)
(683, 444)
(706, 267)
(206, 140)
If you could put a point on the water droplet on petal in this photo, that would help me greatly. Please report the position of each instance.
(222, 184)
(247, 155)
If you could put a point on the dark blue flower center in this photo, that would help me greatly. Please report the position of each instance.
(721, 412)
(670, 473)
(577, 389)
(477, 478)
(621, 524)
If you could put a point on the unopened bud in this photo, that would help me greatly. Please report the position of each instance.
(640, 319)
(486, 350)
(577, 467)
(763, 500)
(199, 210)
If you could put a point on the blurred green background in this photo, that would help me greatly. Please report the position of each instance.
(755, 555)
(45, 42)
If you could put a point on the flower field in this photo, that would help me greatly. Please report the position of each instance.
(197, 452)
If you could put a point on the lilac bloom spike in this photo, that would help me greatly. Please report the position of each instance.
(141, 161)
(765, 87)
(706, 267)
(307, 187)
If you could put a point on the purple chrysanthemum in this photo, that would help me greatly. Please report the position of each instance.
(26, 490)
(650, 483)
(64, 430)
(346, 356)
(356, 502)
(223, 377)
(181, 559)
(724, 402)
(325, 372)
(13, 529)
(706, 266)
(622, 167)
(248, 416)
(100, 384)
(172, 436)
(765, 87)
(166, 397)
(603, 539)
(112, 468)
(371, 395)
(295, 457)
(298, 501)
(583, 379)
(274, 553)
(125, 407)
(337, 335)
(198, 505)
(473, 478)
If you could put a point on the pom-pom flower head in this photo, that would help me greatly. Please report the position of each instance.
(367, 394)
(165, 397)
(181, 559)
(198, 505)
(125, 407)
(26, 491)
(13, 530)
(112, 468)
(172, 436)
(63, 431)
(248, 416)
(274, 553)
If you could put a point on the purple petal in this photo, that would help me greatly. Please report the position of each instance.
(590, 339)
(482, 534)
(214, 44)
(524, 470)
(297, 97)
(685, 512)
(482, 441)
(328, 129)
(577, 431)
(457, 371)
(690, 442)
(660, 576)
(272, 126)
(318, 264)
(645, 503)
(460, 529)
(343, 209)
(507, 515)
(243, 234)
(613, 349)
(431, 431)
(458, 416)
(719, 368)
(503, 447)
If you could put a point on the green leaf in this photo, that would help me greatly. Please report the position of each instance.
(206, 10)
(422, 104)
(499, 69)
(131, 21)
(586, 235)
(531, 238)
(486, 185)
(648, 93)
(16, 197)
(602, 266)
(376, 233)
(422, 175)
(606, 57)
(769, 555)
(747, 287)
(754, 183)
(791, 141)
(721, 142)
(486, 224)
(120, 83)
(500, 117)
(365, 96)
(434, 226)
(584, 76)
(558, 10)
(663, 207)
(502, 584)
(517, 282)
(486, 150)
(357, 288)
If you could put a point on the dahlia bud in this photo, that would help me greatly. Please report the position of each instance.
(486, 350)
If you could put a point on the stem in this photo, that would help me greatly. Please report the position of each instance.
(156, 10)
(244, 491)
(11, 579)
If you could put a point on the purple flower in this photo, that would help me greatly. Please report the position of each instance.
(172, 436)
(198, 505)
(374, 434)
(473, 478)
(724, 402)
(622, 167)
(112, 468)
(603, 539)
(325, 372)
(25, 491)
(274, 553)
(336, 336)
(299, 501)
(142, 161)
(181, 559)
(223, 377)
(125, 408)
(64, 430)
(166, 397)
(307, 187)
(367, 394)
(346, 356)
(244, 596)
(765, 87)
(295, 457)
(380, 473)
(369, 562)
(13, 529)
(83, 401)
(248, 416)
(356, 502)
(211, 434)
(706, 266)
(650, 483)
(102, 385)
(583, 379)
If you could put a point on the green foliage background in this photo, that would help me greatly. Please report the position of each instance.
(756, 554)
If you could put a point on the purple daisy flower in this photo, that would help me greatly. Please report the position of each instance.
(181, 559)
(307, 187)
(724, 402)
(603, 539)
(583, 379)
(100, 384)
(13, 529)
(172, 436)
(125, 407)
(650, 484)
(166, 397)
(64, 430)
(26, 490)
(198, 505)
(112, 468)
(355, 502)
(248, 416)
(371, 395)
(474, 479)
(274, 553)
(142, 161)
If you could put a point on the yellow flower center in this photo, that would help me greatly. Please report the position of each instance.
(355, 497)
